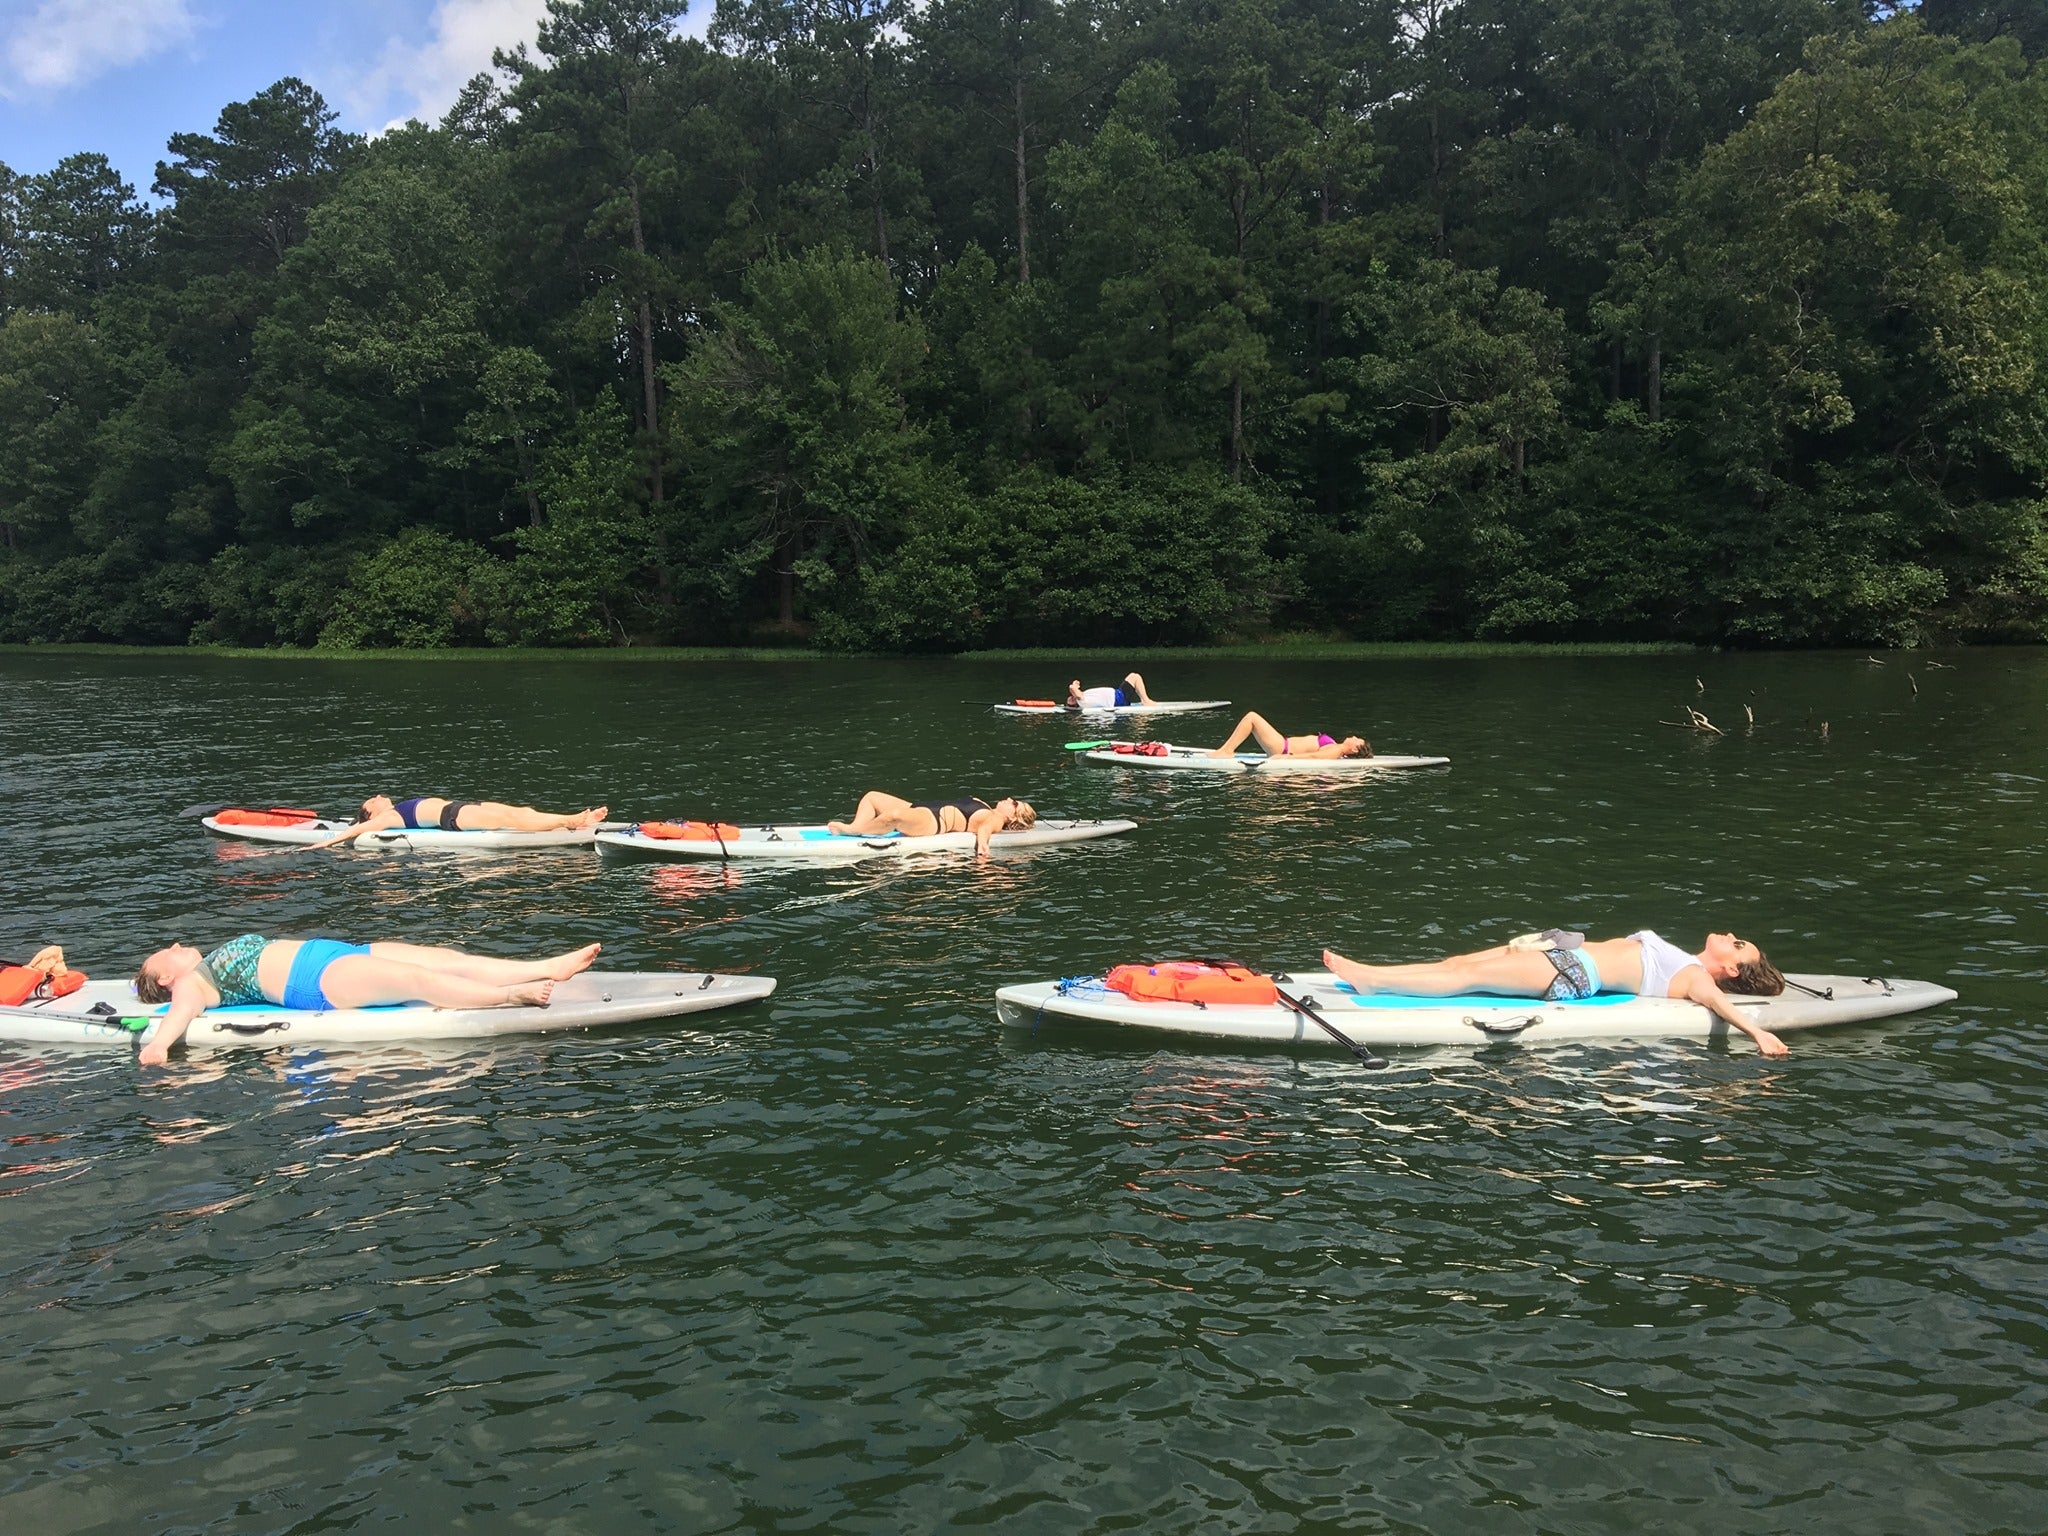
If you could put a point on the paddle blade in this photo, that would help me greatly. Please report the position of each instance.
(207, 810)
(1088, 746)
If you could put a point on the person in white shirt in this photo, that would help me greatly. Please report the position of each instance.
(1130, 691)
(1560, 965)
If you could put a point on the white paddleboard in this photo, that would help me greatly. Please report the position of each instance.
(1198, 758)
(1156, 707)
(590, 1000)
(814, 842)
(418, 839)
(1468, 1020)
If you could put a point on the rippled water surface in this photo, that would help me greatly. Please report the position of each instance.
(862, 1260)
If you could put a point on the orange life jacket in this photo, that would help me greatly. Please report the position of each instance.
(706, 831)
(1035, 703)
(1140, 748)
(276, 816)
(20, 983)
(1192, 981)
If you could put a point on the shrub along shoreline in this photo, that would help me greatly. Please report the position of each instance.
(1276, 650)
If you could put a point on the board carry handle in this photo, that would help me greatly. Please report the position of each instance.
(250, 1027)
(1502, 1028)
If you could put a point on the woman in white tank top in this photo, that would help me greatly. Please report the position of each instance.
(1562, 966)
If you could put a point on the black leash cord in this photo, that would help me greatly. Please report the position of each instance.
(1309, 1010)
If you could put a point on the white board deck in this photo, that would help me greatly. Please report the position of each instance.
(1469, 1020)
(419, 839)
(591, 1000)
(1199, 760)
(816, 844)
(1156, 707)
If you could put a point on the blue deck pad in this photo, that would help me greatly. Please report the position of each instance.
(820, 835)
(1476, 1000)
(280, 1008)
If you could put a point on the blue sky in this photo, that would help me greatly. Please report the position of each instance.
(122, 76)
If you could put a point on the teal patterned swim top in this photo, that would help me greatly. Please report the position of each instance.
(233, 969)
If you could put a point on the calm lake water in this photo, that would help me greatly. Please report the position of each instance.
(862, 1260)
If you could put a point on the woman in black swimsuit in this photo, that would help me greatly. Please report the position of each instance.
(434, 811)
(880, 813)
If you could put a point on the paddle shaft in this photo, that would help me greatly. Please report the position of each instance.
(1309, 1010)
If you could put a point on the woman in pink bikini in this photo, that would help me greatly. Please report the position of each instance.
(1273, 744)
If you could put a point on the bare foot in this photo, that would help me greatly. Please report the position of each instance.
(562, 967)
(1360, 976)
(530, 994)
(839, 829)
(591, 817)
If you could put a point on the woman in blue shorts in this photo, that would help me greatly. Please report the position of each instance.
(322, 974)
(1131, 690)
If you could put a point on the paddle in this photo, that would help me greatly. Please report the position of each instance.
(232, 805)
(1307, 1008)
(1088, 746)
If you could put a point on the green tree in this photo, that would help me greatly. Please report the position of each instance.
(1457, 377)
(76, 231)
(368, 364)
(52, 384)
(1864, 276)
(592, 136)
(791, 423)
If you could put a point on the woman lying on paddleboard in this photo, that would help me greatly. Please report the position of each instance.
(1127, 692)
(381, 812)
(1273, 744)
(322, 974)
(1561, 966)
(880, 813)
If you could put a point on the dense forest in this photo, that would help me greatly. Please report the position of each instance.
(897, 326)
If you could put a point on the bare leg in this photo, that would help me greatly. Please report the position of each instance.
(1138, 683)
(496, 816)
(1271, 742)
(1511, 973)
(877, 813)
(365, 981)
(484, 968)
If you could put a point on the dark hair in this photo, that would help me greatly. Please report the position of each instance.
(148, 988)
(1756, 978)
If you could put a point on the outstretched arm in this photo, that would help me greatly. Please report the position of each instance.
(375, 823)
(1700, 989)
(190, 997)
(985, 825)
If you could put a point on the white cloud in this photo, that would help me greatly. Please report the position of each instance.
(63, 43)
(422, 79)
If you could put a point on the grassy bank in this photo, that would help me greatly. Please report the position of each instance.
(1276, 650)
(1342, 650)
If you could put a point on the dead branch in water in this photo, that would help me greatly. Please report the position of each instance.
(1695, 721)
